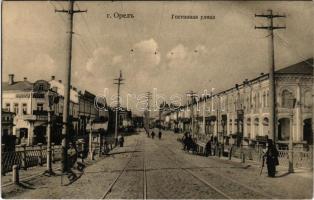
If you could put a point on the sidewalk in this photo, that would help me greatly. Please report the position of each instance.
(88, 184)
(281, 170)
(40, 170)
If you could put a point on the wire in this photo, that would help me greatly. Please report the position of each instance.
(55, 8)
(292, 48)
(88, 28)
(83, 47)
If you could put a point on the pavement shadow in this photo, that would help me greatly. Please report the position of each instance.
(283, 175)
(26, 186)
(72, 176)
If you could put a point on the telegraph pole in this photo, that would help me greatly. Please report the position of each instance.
(148, 97)
(192, 95)
(272, 88)
(67, 83)
(119, 83)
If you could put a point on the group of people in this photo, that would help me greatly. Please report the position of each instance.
(153, 134)
(189, 143)
(271, 154)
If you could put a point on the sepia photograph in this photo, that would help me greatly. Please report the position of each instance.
(157, 99)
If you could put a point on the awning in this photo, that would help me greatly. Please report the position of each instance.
(211, 118)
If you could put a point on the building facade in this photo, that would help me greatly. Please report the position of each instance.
(29, 102)
(241, 114)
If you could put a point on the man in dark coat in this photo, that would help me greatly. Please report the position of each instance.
(184, 141)
(159, 135)
(208, 149)
(153, 135)
(271, 158)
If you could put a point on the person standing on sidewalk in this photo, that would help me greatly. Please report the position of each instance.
(208, 149)
(271, 158)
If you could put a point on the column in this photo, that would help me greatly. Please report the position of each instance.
(298, 121)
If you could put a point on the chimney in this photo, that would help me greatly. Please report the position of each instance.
(25, 78)
(236, 86)
(60, 81)
(262, 74)
(53, 78)
(11, 79)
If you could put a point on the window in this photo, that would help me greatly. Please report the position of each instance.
(41, 87)
(7, 107)
(24, 108)
(23, 133)
(40, 106)
(308, 101)
(287, 99)
(16, 108)
(264, 99)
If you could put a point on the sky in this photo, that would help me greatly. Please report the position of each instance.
(152, 49)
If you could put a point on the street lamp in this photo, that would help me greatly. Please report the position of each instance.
(291, 170)
(53, 98)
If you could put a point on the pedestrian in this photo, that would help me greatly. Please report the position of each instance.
(189, 143)
(208, 149)
(153, 134)
(271, 158)
(184, 141)
(121, 140)
(159, 134)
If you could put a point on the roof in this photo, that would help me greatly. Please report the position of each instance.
(18, 85)
(303, 67)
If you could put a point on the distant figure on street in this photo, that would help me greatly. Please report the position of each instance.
(153, 134)
(271, 158)
(189, 142)
(184, 141)
(121, 140)
(159, 135)
(208, 148)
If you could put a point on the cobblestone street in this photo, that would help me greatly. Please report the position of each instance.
(153, 168)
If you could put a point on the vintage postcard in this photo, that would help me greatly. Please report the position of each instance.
(156, 99)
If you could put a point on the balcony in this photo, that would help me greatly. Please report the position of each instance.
(38, 115)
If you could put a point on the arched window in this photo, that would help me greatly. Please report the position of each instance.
(248, 121)
(287, 99)
(256, 121)
(265, 121)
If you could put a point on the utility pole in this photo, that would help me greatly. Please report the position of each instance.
(192, 95)
(272, 88)
(119, 83)
(148, 97)
(67, 83)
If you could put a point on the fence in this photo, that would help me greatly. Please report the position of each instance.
(301, 159)
(26, 157)
(29, 156)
